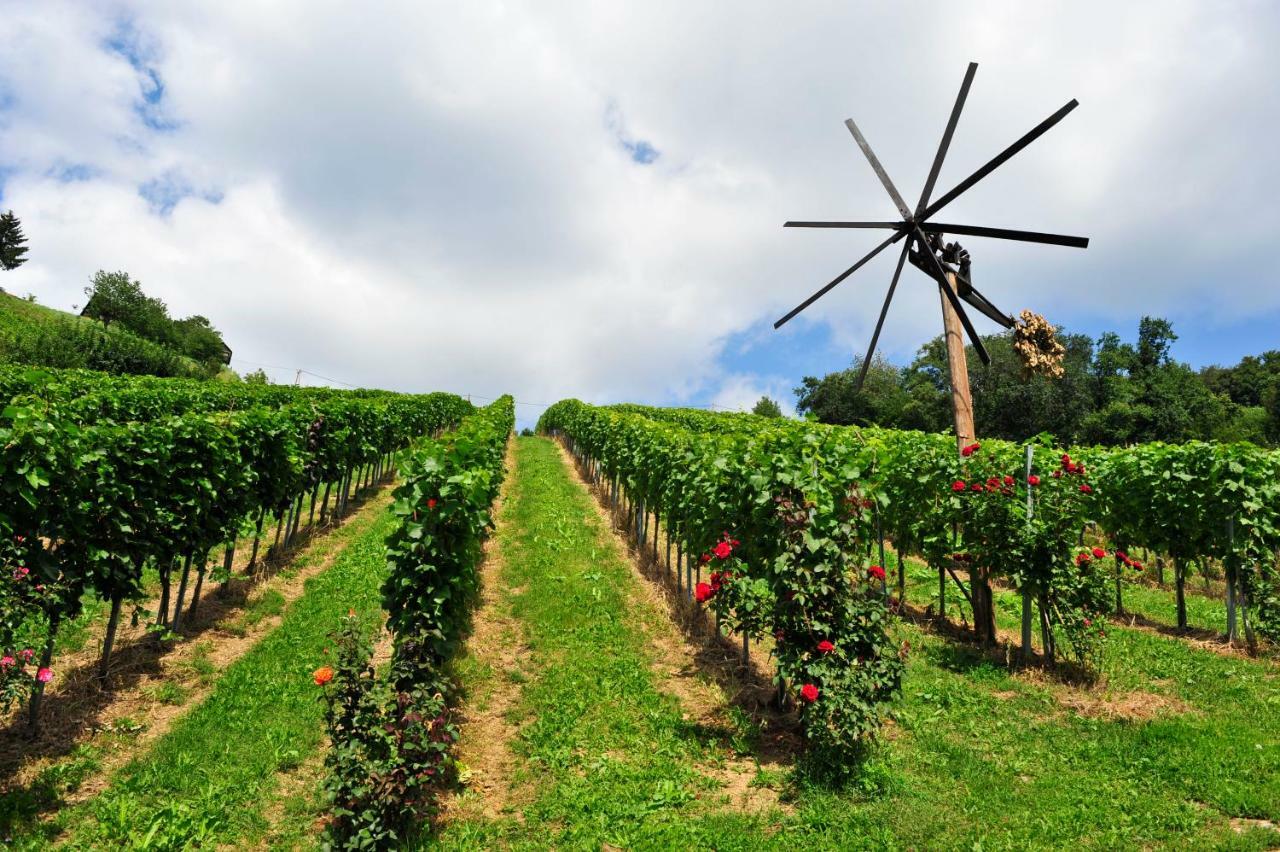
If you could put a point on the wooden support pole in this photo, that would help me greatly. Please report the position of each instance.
(958, 367)
(962, 407)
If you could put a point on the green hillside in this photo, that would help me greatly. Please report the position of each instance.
(34, 334)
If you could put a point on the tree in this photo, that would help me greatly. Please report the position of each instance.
(767, 408)
(12, 242)
(1155, 338)
(1009, 404)
(834, 398)
(114, 297)
(257, 377)
(198, 339)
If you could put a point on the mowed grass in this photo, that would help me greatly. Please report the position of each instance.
(204, 782)
(606, 757)
(1173, 746)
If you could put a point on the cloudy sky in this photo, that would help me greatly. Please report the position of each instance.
(488, 197)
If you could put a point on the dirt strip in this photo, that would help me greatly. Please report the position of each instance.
(495, 647)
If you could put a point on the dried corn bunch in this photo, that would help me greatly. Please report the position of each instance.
(1038, 347)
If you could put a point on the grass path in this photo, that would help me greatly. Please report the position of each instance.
(205, 782)
(601, 754)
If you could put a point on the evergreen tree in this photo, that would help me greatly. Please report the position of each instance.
(12, 242)
(767, 408)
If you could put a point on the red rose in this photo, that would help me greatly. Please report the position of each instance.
(702, 592)
(1008, 480)
(1099, 553)
(723, 550)
(1066, 460)
(825, 647)
(1085, 489)
(1082, 558)
(1033, 480)
(977, 486)
(958, 485)
(877, 572)
(431, 503)
(1057, 474)
(704, 558)
(1136, 565)
(809, 692)
(966, 451)
(322, 675)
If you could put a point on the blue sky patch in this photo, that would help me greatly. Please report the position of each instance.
(72, 172)
(639, 150)
(141, 53)
(164, 192)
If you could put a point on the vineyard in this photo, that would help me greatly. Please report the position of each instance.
(646, 627)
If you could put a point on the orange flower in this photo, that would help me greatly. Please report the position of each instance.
(322, 675)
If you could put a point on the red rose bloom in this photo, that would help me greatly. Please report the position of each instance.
(958, 485)
(431, 503)
(1085, 489)
(966, 451)
(723, 550)
(1099, 553)
(1082, 558)
(1066, 460)
(1057, 474)
(704, 558)
(825, 647)
(809, 692)
(1008, 480)
(1033, 480)
(876, 571)
(977, 486)
(702, 592)
(322, 675)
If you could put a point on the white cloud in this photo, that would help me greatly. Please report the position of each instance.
(438, 196)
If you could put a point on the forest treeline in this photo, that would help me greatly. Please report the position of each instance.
(1112, 392)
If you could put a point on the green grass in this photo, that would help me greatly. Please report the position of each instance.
(17, 314)
(979, 756)
(607, 757)
(203, 782)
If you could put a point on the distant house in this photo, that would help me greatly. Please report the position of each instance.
(226, 352)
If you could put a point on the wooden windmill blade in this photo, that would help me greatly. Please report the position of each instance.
(945, 144)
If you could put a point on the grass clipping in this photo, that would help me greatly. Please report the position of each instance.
(1037, 345)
